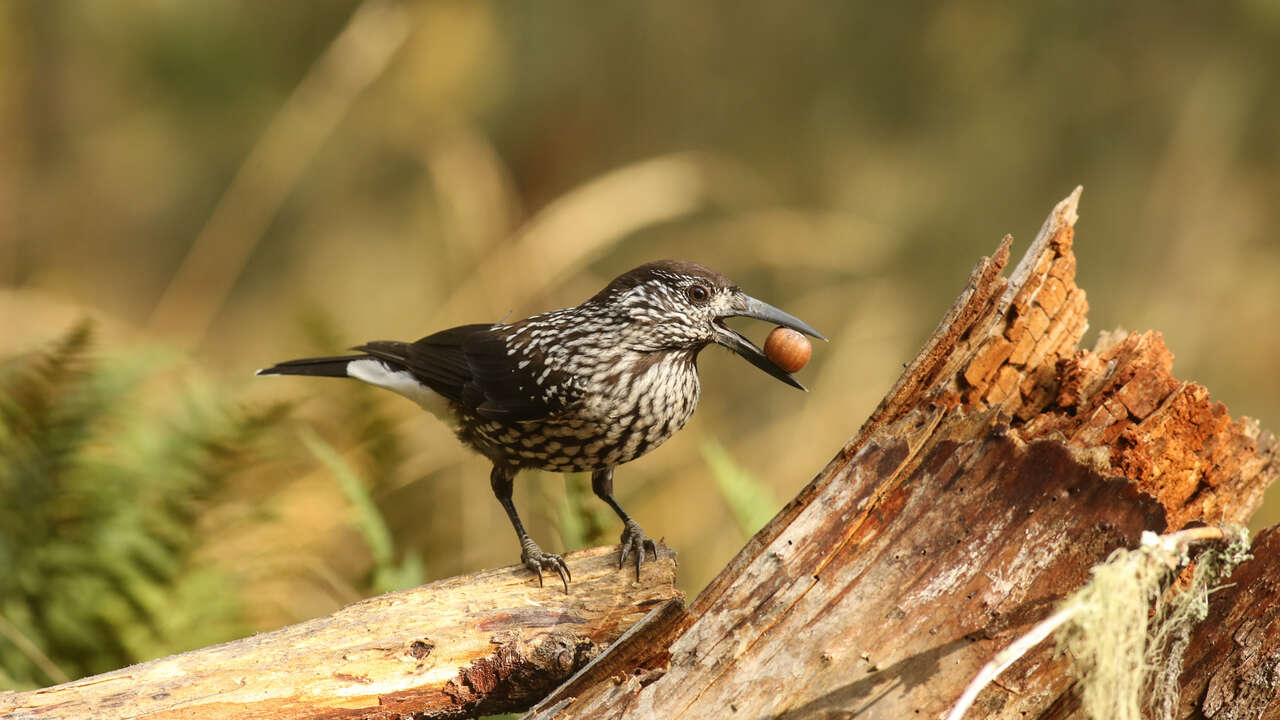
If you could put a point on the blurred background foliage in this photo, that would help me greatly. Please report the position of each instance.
(215, 186)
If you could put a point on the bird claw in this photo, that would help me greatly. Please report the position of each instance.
(635, 541)
(536, 560)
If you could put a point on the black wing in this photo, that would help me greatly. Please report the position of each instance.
(471, 366)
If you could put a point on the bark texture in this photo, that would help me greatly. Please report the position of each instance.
(467, 646)
(1232, 667)
(1002, 466)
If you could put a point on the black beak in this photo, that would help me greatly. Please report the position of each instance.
(747, 306)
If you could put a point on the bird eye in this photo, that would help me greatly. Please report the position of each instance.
(698, 293)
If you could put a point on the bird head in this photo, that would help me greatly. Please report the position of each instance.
(682, 305)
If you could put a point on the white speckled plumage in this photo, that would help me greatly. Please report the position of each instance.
(585, 388)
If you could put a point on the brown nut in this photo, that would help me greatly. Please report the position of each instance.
(787, 349)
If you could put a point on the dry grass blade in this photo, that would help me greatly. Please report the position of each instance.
(359, 54)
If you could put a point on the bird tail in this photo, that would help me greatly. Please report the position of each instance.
(319, 366)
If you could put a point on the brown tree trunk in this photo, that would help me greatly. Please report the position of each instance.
(1002, 466)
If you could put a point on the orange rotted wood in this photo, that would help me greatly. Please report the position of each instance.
(1004, 463)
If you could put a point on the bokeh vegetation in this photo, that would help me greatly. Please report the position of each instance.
(215, 186)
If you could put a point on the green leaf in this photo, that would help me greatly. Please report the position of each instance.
(368, 520)
(750, 501)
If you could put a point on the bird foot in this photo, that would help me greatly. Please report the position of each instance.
(635, 541)
(536, 560)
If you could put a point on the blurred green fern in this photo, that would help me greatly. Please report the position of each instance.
(100, 499)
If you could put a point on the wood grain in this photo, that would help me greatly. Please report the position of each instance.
(470, 645)
(1001, 467)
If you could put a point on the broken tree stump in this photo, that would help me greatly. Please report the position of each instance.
(1003, 465)
(470, 645)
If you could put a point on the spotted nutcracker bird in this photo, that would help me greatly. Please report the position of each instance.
(586, 388)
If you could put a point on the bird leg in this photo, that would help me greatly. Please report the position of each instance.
(633, 538)
(531, 555)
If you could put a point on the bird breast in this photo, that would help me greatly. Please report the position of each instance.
(653, 393)
(628, 406)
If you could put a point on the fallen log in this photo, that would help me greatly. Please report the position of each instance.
(470, 645)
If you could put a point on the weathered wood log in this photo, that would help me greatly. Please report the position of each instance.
(466, 646)
(1002, 466)
(1232, 666)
